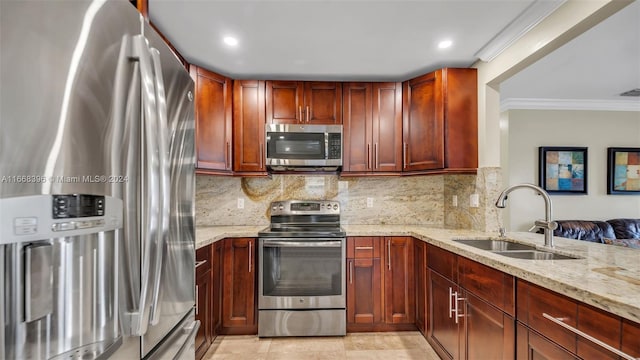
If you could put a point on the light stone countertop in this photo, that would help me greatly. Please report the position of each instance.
(606, 276)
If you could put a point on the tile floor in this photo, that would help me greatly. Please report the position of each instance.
(371, 346)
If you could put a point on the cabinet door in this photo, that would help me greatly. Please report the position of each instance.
(420, 263)
(489, 333)
(399, 292)
(357, 130)
(387, 127)
(442, 326)
(532, 346)
(323, 102)
(284, 102)
(203, 313)
(239, 287)
(204, 337)
(423, 123)
(461, 118)
(213, 121)
(217, 269)
(364, 293)
(248, 126)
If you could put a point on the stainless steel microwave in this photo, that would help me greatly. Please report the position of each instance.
(303, 147)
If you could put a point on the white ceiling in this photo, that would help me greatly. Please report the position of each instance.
(597, 65)
(392, 40)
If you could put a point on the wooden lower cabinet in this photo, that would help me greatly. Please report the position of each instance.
(364, 293)
(534, 301)
(466, 324)
(380, 284)
(217, 264)
(203, 293)
(420, 274)
(239, 312)
(443, 328)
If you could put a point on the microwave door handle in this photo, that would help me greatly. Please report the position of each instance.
(326, 145)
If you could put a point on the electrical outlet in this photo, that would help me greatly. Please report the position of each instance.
(454, 201)
(474, 200)
(369, 202)
(240, 203)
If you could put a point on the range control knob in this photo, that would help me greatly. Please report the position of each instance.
(274, 208)
(335, 206)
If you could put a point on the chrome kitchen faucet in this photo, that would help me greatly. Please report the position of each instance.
(547, 224)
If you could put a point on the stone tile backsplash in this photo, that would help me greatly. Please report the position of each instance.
(412, 200)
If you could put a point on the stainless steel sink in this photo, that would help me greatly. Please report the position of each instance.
(494, 245)
(535, 255)
(513, 249)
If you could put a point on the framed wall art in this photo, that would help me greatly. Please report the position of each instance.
(623, 171)
(563, 169)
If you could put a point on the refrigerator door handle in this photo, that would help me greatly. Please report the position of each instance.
(138, 321)
(165, 194)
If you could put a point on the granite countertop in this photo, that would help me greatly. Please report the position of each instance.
(606, 276)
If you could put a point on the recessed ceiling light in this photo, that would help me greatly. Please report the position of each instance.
(445, 44)
(230, 40)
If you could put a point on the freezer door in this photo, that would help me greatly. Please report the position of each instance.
(179, 344)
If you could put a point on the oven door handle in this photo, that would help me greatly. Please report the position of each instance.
(305, 243)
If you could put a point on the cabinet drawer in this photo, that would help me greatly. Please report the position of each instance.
(363, 247)
(203, 260)
(442, 261)
(631, 338)
(534, 301)
(491, 285)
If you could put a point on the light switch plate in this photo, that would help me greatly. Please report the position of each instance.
(369, 202)
(240, 203)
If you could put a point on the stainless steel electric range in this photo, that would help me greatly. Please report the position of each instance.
(302, 283)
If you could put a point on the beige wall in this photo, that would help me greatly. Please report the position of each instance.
(597, 130)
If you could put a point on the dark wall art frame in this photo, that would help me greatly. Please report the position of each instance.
(623, 171)
(562, 169)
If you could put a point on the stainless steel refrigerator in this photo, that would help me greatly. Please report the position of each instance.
(96, 185)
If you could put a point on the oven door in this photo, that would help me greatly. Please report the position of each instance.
(302, 273)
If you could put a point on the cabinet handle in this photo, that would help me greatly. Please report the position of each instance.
(308, 113)
(228, 155)
(404, 155)
(457, 309)
(368, 156)
(589, 337)
(301, 119)
(375, 156)
(351, 272)
(364, 247)
(200, 263)
(260, 155)
(197, 300)
(450, 302)
(389, 252)
(249, 255)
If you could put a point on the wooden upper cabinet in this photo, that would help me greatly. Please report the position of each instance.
(440, 127)
(213, 121)
(372, 116)
(284, 102)
(323, 102)
(248, 126)
(297, 102)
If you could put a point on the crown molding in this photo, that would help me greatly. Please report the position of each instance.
(569, 104)
(522, 24)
